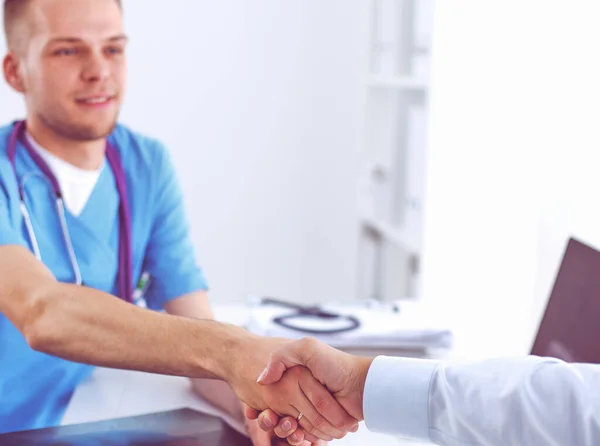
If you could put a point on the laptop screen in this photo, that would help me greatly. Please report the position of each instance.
(570, 328)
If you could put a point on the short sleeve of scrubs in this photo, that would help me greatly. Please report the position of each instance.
(170, 258)
(9, 235)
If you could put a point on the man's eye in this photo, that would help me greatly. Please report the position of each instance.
(66, 52)
(114, 50)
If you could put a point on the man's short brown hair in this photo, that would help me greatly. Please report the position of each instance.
(13, 12)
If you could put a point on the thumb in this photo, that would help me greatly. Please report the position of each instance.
(273, 372)
(286, 357)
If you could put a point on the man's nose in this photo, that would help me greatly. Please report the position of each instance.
(96, 67)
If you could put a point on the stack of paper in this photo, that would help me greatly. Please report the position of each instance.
(379, 327)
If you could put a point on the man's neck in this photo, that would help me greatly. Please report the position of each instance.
(87, 155)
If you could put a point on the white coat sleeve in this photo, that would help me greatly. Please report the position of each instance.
(527, 401)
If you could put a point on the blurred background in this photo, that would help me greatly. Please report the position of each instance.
(437, 151)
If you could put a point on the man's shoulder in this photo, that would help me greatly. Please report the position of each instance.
(5, 167)
(140, 153)
(129, 141)
(5, 130)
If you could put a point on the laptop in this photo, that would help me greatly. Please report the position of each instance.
(570, 328)
(182, 427)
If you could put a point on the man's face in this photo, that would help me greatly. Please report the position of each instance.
(73, 66)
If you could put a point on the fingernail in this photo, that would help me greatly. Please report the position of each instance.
(286, 426)
(295, 437)
(262, 376)
(267, 422)
(354, 428)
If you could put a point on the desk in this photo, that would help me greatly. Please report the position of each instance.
(118, 393)
(110, 393)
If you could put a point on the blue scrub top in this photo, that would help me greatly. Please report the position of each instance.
(35, 388)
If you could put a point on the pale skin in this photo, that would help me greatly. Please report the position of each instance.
(71, 70)
(218, 393)
(343, 374)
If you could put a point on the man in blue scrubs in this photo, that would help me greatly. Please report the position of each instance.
(67, 59)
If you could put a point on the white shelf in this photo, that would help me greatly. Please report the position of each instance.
(398, 82)
(392, 234)
(396, 86)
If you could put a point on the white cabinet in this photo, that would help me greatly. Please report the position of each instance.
(394, 156)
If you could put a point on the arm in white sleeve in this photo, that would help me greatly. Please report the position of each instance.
(502, 402)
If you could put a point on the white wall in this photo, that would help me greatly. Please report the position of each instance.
(514, 158)
(264, 127)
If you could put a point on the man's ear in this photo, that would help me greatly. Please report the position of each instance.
(12, 73)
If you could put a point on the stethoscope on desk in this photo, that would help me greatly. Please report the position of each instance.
(124, 272)
(315, 312)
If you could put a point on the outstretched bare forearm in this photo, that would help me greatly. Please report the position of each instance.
(86, 325)
(89, 326)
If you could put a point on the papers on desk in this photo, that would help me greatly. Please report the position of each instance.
(380, 327)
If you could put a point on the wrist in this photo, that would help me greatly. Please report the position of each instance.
(236, 357)
(360, 372)
(244, 357)
(228, 343)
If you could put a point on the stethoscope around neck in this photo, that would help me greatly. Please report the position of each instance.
(124, 272)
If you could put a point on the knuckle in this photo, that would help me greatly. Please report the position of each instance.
(339, 435)
(310, 429)
(310, 438)
(312, 341)
(322, 405)
(345, 423)
(341, 425)
(309, 342)
(320, 422)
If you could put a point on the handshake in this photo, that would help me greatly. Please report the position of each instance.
(308, 391)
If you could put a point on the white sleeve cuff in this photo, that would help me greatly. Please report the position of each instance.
(396, 397)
